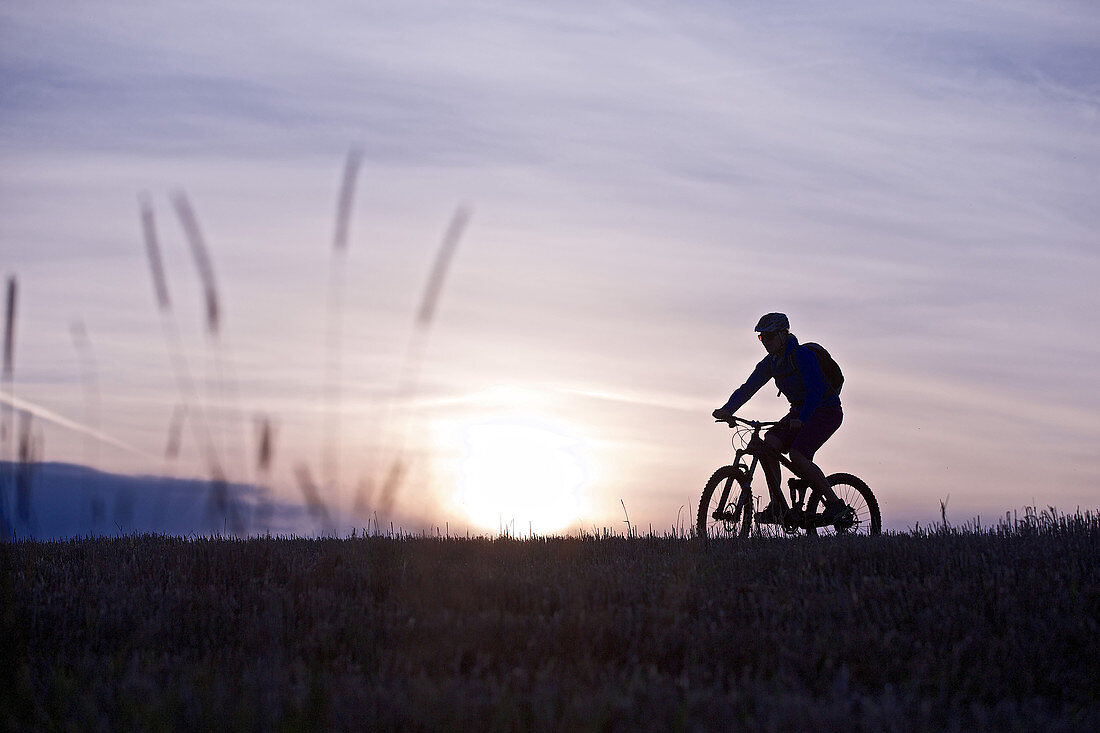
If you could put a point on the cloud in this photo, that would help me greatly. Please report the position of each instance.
(42, 413)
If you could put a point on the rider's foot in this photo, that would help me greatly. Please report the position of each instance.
(834, 510)
(771, 514)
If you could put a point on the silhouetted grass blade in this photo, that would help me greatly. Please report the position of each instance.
(175, 433)
(201, 256)
(152, 250)
(346, 200)
(314, 503)
(9, 329)
(410, 372)
(442, 263)
(6, 409)
(330, 457)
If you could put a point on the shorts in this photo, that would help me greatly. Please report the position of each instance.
(813, 434)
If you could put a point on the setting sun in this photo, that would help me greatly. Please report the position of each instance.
(520, 471)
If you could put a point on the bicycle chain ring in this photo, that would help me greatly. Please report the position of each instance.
(846, 521)
(728, 520)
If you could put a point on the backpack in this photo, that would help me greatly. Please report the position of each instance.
(833, 376)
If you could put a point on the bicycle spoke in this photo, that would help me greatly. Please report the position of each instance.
(863, 517)
(722, 506)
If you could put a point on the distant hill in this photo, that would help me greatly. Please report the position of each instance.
(67, 500)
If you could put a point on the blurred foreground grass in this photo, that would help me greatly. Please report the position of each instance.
(944, 629)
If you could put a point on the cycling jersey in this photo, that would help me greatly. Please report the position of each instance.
(798, 377)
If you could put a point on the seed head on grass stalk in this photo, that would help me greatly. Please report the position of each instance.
(9, 329)
(347, 198)
(152, 251)
(265, 448)
(201, 257)
(265, 453)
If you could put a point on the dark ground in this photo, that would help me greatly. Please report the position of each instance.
(943, 630)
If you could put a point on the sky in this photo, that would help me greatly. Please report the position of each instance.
(915, 186)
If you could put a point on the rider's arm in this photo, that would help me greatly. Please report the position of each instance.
(812, 379)
(759, 377)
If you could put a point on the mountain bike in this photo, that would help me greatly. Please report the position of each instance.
(726, 507)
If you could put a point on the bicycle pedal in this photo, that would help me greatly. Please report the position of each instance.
(768, 517)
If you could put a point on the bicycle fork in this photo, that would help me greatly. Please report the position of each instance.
(725, 512)
(744, 491)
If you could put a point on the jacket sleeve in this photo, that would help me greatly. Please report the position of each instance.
(812, 379)
(759, 377)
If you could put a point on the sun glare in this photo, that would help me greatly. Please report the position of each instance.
(520, 473)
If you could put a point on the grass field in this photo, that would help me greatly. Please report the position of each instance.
(959, 630)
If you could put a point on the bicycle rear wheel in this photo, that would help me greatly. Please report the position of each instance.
(732, 519)
(865, 519)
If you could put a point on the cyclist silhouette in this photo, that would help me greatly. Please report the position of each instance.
(814, 416)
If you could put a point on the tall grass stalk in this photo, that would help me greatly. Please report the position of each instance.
(224, 380)
(201, 256)
(172, 448)
(316, 505)
(265, 455)
(28, 453)
(7, 409)
(629, 529)
(418, 342)
(331, 443)
(181, 371)
(89, 380)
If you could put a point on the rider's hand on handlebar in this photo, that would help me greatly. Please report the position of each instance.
(721, 414)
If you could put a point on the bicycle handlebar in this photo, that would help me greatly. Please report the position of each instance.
(733, 420)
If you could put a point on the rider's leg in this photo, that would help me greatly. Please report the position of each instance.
(819, 428)
(770, 464)
(809, 471)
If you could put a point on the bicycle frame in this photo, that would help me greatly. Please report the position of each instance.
(794, 518)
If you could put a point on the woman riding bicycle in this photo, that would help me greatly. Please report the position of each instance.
(814, 416)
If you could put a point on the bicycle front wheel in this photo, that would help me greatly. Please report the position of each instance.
(725, 509)
(865, 518)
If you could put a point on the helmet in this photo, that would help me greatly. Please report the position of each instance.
(773, 322)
